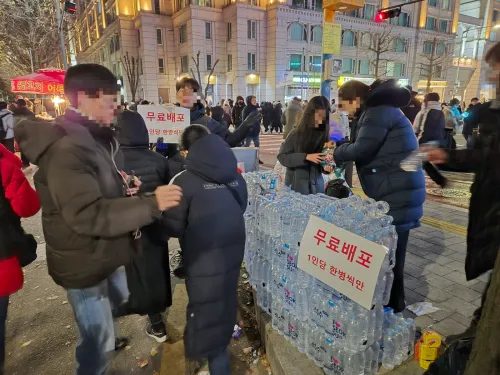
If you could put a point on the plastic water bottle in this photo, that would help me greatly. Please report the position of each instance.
(388, 287)
(354, 363)
(389, 350)
(320, 347)
(406, 339)
(277, 315)
(286, 323)
(411, 336)
(368, 361)
(379, 323)
(375, 357)
(303, 335)
(398, 346)
(312, 344)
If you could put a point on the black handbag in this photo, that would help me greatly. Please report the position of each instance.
(27, 250)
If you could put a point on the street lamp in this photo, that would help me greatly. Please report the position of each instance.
(464, 33)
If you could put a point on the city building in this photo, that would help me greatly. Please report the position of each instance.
(268, 48)
(476, 33)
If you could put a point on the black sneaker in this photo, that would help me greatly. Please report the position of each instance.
(157, 331)
(180, 271)
(120, 343)
(261, 162)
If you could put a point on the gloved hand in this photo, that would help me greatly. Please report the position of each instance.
(251, 119)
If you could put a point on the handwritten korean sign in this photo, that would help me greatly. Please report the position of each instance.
(165, 121)
(341, 259)
(331, 38)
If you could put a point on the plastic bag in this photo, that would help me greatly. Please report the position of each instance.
(337, 188)
(454, 360)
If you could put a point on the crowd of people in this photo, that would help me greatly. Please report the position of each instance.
(110, 203)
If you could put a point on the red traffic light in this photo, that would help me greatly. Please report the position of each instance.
(383, 15)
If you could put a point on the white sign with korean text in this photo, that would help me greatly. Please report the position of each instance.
(346, 262)
(167, 121)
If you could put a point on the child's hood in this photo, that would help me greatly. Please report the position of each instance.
(212, 158)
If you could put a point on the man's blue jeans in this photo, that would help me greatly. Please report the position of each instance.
(93, 313)
(255, 139)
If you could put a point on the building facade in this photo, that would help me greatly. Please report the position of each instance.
(268, 48)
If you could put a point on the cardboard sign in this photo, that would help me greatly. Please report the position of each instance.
(167, 121)
(348, 263)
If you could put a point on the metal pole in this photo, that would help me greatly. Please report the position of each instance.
(328, 16)
(458, 64)
(57, 4)
(31, 61)
(302, 63)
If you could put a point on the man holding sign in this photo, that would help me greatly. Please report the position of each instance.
(187, 97)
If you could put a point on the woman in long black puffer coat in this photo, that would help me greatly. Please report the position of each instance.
(148, 275)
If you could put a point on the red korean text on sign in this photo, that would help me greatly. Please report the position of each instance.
(322, 264)
(341, 275)
(360, 285)
(171, 117)
(364, 259)
(151, 116)
(349, 250)
(320, 236)
(333, 271)
(161, 117)
(351, 279)
(180, 117)
(334, 244)
(152, 131)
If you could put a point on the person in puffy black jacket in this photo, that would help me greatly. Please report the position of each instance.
(253, 133)
(187, 97)
(382, 139)
(413, 107)
(210, 225)
(149, 274)
(237, 112)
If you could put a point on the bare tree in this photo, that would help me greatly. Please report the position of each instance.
(435, 61)
(131, 64)
(29, 35)
(379, 47)
(198, 72)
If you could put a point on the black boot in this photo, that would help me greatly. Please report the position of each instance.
(180, 271)
(121, 343)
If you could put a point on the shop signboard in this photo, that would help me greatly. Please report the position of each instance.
(346, 262)
(367, 80)
(166, 121)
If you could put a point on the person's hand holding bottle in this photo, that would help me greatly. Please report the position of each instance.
(315, 158)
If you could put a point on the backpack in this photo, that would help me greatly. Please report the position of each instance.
(3, 131)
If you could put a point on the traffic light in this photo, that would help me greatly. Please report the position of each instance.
(70, 7)
(383, 15)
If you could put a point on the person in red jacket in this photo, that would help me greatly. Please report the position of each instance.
(17, 199)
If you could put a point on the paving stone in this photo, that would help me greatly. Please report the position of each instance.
(421, 235)
(423, 322)
(480, 286)
(458, 276)
(463, 292)
(436, 250)
(436, 241)
(435, 294)
(458, 247)
(485, 277)
(420, 243)
(437, 269)
(413, 297)
(454, 241)
(439, 259)
(455, 265)
(437, 280)
(448, 327)
(419, 251)
(457, 256)
(418, 260)
(415, 271)
(414, 283)
(464, 320)
(459, 305)
(442, 313)
(477, 302)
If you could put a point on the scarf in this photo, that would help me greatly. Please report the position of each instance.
(419, 123)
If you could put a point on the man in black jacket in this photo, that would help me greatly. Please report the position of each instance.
(22, 112)
(90, 226)
(413, 107)
(471, 121)
(237, 112)
(187, 97)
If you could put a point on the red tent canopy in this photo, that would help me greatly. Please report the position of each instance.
(44, 81)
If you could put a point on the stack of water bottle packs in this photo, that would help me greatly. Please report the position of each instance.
(340, 335)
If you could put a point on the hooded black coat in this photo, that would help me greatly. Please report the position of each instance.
(384, 137)
(209, 223)
(148, 274)
(247, 111)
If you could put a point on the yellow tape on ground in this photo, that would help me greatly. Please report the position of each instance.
(431, 221)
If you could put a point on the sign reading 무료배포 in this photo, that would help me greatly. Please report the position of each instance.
(348, 263)
(166, 121)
